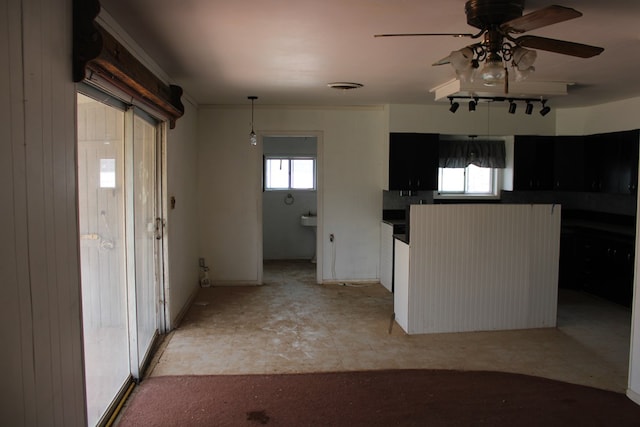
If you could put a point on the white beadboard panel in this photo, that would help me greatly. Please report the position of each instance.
(483, 267)
(15, 321)
(39, 257)
(401, 280)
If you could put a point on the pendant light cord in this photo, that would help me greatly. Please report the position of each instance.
(252, 98)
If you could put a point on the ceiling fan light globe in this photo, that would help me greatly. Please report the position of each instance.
(493, 73)
(523, 58)
(461, 59)
(522, 75)
(465, 75)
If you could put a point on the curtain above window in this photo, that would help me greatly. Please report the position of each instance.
(460, 154)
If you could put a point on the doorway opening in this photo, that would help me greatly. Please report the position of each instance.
(291, 210)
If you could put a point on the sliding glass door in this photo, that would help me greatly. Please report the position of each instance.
(121, 232)
(147, 232)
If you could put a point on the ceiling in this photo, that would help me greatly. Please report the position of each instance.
(286, 51)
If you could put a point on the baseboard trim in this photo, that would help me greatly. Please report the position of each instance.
(635, 396)
(175, 322)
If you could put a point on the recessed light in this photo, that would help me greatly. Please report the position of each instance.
(345, 85)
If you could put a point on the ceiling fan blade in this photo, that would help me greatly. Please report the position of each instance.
(559, 46)
(540, 18)
(459, 35)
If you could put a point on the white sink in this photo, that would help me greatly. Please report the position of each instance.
(309, 220)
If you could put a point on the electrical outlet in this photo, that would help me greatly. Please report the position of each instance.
(331, 237)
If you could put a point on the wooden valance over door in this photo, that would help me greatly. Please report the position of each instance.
(99, 58)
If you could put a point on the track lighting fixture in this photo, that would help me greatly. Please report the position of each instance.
(472, 104)
(545, 109)
(529, 108)
(513, 103)
(454, 106)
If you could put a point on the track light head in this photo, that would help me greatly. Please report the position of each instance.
(512, 107)
(545, 109)
(472, 105)
(529, 108)
(454, 106)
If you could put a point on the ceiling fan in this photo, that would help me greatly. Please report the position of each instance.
(500, 23)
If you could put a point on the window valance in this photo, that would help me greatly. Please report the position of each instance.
(460, 154)
(100, 59)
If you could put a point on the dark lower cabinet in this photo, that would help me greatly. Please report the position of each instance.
(599, 263)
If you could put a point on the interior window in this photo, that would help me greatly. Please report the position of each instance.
(286, 173)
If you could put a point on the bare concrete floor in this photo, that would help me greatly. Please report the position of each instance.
(291, 324)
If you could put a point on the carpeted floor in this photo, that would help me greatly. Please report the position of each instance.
(374, 398)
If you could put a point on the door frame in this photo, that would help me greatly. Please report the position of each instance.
(318, 135)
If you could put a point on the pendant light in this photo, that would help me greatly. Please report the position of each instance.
(253, 138)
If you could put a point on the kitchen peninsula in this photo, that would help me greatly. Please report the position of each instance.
(473, 267)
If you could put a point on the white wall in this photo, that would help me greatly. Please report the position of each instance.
(610, 117)
(42, 381)
(182, 221)
(351, 153)
(487, 120)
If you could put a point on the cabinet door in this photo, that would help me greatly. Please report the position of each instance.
(568, 166)
(533, 163)
(400, 160)
(612, 162)
(628, 161)
(386, 255)
(413, 161)
(425, 168)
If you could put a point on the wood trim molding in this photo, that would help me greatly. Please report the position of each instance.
(96, 53)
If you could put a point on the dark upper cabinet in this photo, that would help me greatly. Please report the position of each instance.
(413, 161)
(606, 163)
(611, 162)
(569, 164)
(533, 162)
(629, 161)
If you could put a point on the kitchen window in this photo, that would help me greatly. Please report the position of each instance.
(471, 180)
(290, 173)
(470, 167)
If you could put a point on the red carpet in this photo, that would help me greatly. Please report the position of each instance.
(374, 398)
